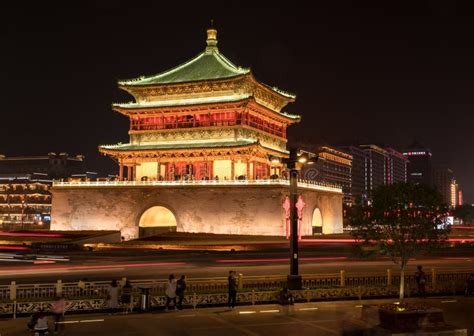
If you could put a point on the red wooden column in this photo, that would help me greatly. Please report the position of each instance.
(211, 170)
(129, 173)
(255, 170)
(248, 169)
(232, 169)
(120, 170)
(269, 171)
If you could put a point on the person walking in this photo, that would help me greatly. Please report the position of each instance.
(171, 292)
(82, 286)
(286, 300)
(420, 278)
(112, 297)
(232, 286)
(126, 297)
(180, 289)
(58, 309)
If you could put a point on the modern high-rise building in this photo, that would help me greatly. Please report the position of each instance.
(358, 173)
(333, 167)
(445, 183)
(420, 168)
(376, 172)
(396, 170)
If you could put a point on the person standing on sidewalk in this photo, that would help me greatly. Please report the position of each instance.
(171, 292)
(180, 288)
(232, 284)
(127, 300)
(112, 297)
(420, 278)
(58, 309)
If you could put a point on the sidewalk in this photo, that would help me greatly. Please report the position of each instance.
(321, 318)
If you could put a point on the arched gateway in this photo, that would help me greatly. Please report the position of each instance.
(317, 221)
(156, 219)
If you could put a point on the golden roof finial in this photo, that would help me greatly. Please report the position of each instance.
(212, 36)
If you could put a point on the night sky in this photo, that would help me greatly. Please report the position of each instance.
(363, 73)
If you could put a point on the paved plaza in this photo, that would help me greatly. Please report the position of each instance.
(320, 318)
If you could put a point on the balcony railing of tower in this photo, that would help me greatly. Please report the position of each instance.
(275, 182)
(205, 120)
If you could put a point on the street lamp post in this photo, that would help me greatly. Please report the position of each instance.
(294, 163)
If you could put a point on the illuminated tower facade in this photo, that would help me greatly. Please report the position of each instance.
(204, 119)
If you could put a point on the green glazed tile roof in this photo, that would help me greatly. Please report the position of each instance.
(193, 101)
(209, 64)
(184, 102)
(128, 146)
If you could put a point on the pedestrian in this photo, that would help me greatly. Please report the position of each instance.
(82, 286)
(470, 284)
(286, 300)
(420, 278)
(232, 286)
(58, 309)
(171, 292)
(112, 297)
(180, 289)
(126, 297)
(41, 325)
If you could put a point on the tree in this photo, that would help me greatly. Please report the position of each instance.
(402, 220)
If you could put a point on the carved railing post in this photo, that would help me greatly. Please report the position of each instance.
(59, 288)
(13, 291)
(253, 297)
(343, 278)
(433, 279)
(194, 300)
(389, 277)
(241, 281)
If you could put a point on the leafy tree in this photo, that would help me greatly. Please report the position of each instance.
(403, 220)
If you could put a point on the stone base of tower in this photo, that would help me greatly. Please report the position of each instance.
(221, 209)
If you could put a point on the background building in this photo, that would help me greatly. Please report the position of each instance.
(420, 168)
(55, 166)
(25, 202)
(376, 172)
(333, 167)
(396, 166)
(25, 199)
(445, 183)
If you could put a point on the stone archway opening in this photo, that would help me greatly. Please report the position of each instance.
(317, 221)
(156, 220)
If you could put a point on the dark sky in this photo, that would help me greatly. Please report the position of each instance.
(381, 72)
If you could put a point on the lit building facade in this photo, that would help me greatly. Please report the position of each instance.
(420, 169)
(396, 166)
(201, 138)
(25, 202)
(445, 183)
(360, 163)
(25, 182)
(376, 172)
(205, 119)
(334, 167)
